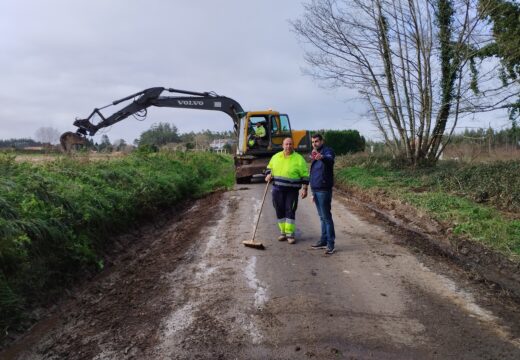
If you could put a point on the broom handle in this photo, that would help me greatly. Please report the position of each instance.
(260, 212)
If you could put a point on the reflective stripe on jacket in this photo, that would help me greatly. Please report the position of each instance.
(288, 172)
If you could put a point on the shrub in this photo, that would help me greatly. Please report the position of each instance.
(497, 182)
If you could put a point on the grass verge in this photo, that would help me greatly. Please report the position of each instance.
(455, 195)
(56, 218)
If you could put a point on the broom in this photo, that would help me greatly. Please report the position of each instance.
(252, 243)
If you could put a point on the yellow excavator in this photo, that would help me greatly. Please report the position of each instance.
(254, 148)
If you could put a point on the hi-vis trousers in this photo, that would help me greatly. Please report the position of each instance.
(285, 203)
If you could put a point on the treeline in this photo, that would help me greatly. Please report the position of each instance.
(158, 135)
(342, 141)
(163, 133)
(489, 136)
(19, 143)
(474, 138)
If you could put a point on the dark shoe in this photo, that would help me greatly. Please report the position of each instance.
(291, 240)
(318, 246)
(282, 238)
(330, 251)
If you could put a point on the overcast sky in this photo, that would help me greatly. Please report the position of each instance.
(62, 58)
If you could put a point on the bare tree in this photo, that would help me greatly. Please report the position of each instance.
(414, 63)
(47, 135)
(201, 141)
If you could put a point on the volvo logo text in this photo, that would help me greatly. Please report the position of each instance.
(190, 102)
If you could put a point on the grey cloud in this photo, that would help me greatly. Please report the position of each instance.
(63, 58)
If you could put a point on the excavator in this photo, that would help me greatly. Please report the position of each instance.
(252, 152)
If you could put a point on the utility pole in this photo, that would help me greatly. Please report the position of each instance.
(490, 132)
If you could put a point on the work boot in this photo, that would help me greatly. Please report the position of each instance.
(318, 246)
(282, 238)
(291, 240)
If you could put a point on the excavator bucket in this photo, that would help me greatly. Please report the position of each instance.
(70, 141)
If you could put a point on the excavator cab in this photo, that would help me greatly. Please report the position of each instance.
(262, 132)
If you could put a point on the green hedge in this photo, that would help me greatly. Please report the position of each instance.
(344, 141)
(56, 218)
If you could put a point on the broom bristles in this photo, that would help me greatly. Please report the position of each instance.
(254, 244)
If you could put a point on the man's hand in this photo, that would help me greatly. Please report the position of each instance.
(303, 193)
(268, 178)
(318, 156)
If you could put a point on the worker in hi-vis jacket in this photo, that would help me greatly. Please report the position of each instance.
(288, 171)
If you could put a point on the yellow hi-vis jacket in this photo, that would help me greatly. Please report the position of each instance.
(289, 173)
(260, 131)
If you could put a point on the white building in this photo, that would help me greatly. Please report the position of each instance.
(218, 144)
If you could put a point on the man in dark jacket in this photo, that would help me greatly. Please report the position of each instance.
(321, 181)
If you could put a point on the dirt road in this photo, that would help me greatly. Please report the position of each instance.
(187, 289)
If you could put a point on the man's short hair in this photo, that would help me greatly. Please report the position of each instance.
(317, 136)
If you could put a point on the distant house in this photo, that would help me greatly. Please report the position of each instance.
(44, 148)
(219, 144)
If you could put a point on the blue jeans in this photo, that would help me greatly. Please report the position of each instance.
(323, 200)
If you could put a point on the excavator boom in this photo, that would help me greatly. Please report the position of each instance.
(151, 97)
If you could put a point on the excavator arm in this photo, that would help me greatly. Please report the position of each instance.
(152, 97)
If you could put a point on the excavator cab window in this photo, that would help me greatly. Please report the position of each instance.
(280, 129)
(285, 124)
(274, 125)
(257, 137)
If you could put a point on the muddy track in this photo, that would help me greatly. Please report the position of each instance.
(119, 310)
(185, 288)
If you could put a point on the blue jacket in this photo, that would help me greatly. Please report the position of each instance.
(322, 171)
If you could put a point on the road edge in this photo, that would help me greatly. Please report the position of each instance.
(486, 263)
